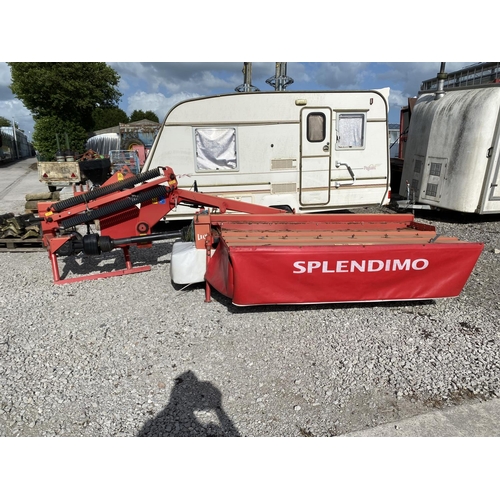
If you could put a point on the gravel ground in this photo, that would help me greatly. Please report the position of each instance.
(133, 356)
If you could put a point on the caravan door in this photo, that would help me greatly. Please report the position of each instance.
(491, 198)
(315, 156)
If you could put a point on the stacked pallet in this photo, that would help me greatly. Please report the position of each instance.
(22, 232)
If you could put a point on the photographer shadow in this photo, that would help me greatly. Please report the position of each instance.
(194, 410)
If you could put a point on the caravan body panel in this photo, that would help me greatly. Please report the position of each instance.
(310, 151)
(452, 154)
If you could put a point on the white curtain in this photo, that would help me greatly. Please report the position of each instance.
(350, 131)
(215, 148)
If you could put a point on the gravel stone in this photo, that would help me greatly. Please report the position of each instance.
(134, 356)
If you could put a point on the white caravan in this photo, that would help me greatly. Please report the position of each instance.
(452, 157)
(305, 151)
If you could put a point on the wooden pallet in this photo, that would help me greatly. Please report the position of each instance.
(19, 245)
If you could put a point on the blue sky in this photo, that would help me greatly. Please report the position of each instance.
(157, 86)
(401, 34)
(191, 35)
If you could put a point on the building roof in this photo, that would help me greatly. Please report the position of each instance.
(140, 125)
(485, 73)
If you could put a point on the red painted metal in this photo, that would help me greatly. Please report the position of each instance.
(290, 259)
(256, 275)
(266, 256)
(126, 222)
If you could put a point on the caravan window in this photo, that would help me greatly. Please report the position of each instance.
(215, 149)
(350, 131)
(316, 127)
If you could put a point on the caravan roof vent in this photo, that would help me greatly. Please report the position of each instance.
(280, 81)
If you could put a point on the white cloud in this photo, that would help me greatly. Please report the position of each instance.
(409, 75)
(13, 109)
(173, 78)
(10, 107)
(157, 86)
(4, 74)
(156, 102)
(398, 98)
(340, 75)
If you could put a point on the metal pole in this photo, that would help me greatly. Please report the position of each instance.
(280, 80)
(247, 79)
(15, 138)
(441, 77)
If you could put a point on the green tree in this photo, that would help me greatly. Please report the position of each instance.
(4, 122)
(71, 91)
(108, 117)
(62, 98)
(48, 130)
(138, 114)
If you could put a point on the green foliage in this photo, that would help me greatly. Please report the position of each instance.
(45, 141)
(108, 117)
(68, 90)
(4, 122)
(62, 98)
(138, 114)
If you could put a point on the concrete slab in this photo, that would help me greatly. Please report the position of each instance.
(467, 420)
(16, 180)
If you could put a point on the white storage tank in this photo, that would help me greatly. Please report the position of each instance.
(452, 153)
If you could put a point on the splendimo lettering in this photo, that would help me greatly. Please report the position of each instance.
(363, 266)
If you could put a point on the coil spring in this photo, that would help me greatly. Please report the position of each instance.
(156, 192)
(96, 193)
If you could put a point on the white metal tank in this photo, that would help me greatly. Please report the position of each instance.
(452, 154)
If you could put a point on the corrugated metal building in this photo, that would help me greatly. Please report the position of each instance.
(138, 136)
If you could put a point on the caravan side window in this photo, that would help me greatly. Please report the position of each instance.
(316, 127)
(351, 130)
(215, 149)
